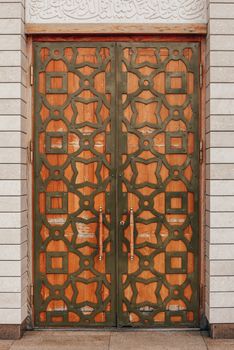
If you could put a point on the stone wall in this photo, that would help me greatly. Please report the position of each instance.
(220, 162)
(219, 131)
(13, 185)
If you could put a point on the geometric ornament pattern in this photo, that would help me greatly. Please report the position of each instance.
(158, 116)
(74, 117)
(116, 184)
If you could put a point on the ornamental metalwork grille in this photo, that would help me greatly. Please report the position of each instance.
(116, 184)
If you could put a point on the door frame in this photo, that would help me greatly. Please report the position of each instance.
(110, 37)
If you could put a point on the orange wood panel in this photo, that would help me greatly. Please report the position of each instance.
(73, 165)
(159, 108)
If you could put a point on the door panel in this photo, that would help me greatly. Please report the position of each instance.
(116, 184)
(158, 184)
(74, 214)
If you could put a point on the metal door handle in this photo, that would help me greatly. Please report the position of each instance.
(100, 238)
(131, 234)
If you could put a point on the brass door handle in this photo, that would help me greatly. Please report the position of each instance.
(100, 238)
(131, 234)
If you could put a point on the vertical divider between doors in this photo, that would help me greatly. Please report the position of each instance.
(116, 128)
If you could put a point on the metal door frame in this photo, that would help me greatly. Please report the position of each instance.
(157, 38)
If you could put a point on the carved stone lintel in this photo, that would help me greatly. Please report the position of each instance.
(116, 11)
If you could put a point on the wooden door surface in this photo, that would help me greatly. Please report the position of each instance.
(116, 184)
(74, 213)
(158, 114)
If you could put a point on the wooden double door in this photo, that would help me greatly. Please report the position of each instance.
(116, 184)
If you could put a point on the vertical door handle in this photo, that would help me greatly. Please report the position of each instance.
(131, 234)
(100, 238)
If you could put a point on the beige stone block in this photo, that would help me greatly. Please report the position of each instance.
(13, 155)
(11, 26)
(221, 315)
(12, 107)
(12, 10)
(222, 268)
(221, 219)
(10, 284)
(221, 11)
(10, 268)
(13, 123)
(221, 236)
(13, 139)
(11, 74)
(222, 74)
(11, 42)
(13, 187)
(222, 299)
(12, 300)
(220, 203)
(221, 26)
(221, 58)
(13, 284)
(13, 236)
(221, 43)
(12, 90)
(222, 252)
(220, 187)
(12, 172)
(222, 106)
(12, 58)
(220, 123)
(13, 220)
(13, 203)
(221, 139)
(13, 251)
(10, 316)
(9, 108)
(220, 171)
(222, 284)
(220, 155)
(220, 90)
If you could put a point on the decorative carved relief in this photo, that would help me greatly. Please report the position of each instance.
(116, 11)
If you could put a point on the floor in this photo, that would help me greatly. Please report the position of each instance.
(140, 340)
